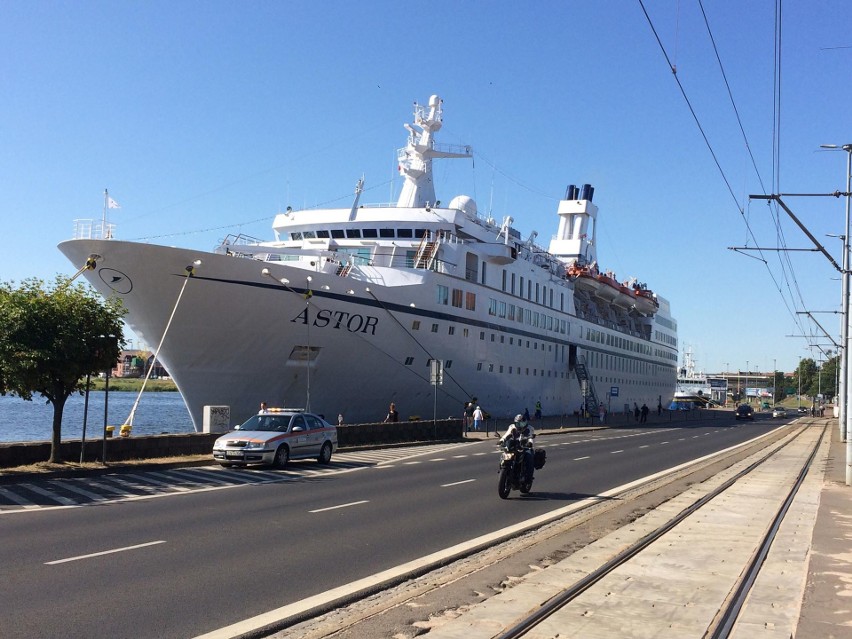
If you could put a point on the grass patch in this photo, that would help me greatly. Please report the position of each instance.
(132, 384)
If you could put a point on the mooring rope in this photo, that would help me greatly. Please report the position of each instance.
(189, 272)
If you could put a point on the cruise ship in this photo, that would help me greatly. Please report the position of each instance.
(693, 387)
(426, 303)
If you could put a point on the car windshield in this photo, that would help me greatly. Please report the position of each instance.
(266, 422)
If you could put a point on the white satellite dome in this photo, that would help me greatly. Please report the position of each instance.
(464, 203)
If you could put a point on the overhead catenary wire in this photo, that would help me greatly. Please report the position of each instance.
(787, 272)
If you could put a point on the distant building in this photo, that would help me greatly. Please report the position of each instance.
(136, 363)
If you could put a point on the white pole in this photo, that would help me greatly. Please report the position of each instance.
(104, 217)
(846, 318)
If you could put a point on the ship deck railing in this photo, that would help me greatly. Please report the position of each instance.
(89, 229)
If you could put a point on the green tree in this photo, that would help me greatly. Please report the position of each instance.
(51, 338)
(806, 374)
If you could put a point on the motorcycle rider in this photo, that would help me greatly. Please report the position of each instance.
(522, 429)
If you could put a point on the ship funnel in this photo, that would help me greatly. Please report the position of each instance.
(584, 192)
(571, 192)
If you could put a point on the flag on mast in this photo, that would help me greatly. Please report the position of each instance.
(112, 204)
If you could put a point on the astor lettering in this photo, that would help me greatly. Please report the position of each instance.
(352, 322)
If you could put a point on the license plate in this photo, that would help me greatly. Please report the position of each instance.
(234, 453)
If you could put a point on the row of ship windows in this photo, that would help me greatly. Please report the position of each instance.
(613, 362)
(517, 370)
(500, 309)
(594, 335)
(536, 372)
(544, 321)
(456, 297)
(491, 368)
(451, 330)
(665, 338)
(624, 365)
(671, 324)
(339, 234)
(628, 382)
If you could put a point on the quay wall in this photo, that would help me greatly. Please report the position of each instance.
(158, 446)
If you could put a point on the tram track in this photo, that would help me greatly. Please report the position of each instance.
(355, 619)
(723, 624)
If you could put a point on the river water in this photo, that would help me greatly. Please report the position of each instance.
(157, 413)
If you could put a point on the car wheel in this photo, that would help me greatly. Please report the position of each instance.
(282, 456)
(325, 453)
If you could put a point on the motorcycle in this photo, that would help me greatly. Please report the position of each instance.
(512, 459)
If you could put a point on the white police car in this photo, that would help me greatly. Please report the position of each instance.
(275, 436)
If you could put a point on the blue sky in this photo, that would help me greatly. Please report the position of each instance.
(206, 118)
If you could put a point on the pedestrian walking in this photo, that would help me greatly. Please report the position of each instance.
(468, 416)
(478, 418)
(526, 414)
(602, 413)
(644, 412)
(538, 411)
(636, 411)
(393, 414)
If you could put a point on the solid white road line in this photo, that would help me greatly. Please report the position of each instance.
(353, 503)
(104, 552)
(457, 483)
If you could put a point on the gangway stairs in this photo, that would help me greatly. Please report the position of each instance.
(585, 380)
(427, 252)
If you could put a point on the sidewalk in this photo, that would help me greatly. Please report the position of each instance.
(576, 422)
(827, 603)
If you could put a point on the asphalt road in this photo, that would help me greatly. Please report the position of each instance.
(191, 562)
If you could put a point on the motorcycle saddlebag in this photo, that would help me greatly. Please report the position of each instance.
(539, 458)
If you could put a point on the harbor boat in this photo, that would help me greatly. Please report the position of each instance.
(426, 304)
(693, 387)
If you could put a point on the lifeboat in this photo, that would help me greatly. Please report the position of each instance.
(646, 301)
(583, 277)
(609, 289)
(626, 298)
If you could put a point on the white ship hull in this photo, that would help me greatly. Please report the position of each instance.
(244, 331)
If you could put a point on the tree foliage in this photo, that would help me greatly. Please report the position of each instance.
(817, 379)
(51, 338)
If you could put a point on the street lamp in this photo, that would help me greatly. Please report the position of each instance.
(726, 384)
(845, 418)
(308, 295)
(799, 376)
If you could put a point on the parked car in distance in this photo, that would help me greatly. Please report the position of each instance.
(779, 411)
(802, 410)
(744, 411)
(275, 436)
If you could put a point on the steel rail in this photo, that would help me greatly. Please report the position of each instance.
(560, 600)
(726, 625)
